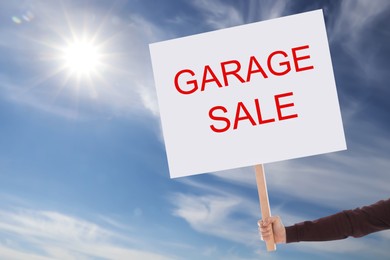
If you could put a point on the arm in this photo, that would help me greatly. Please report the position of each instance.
(357, 223)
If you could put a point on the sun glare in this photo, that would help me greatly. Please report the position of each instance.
(81, 57)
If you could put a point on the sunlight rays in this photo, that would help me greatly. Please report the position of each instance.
(72, 55)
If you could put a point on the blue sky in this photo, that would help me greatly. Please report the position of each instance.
(83, 170)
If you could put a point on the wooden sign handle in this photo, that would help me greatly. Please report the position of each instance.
(264, 203)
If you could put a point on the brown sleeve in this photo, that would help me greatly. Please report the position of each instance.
(358, 222)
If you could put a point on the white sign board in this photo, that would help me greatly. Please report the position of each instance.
(247, 95)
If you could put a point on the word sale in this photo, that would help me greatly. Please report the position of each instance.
(255, 117)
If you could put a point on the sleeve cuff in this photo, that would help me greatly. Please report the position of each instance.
(291, 234)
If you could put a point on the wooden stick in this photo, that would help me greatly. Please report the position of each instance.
(264, 203)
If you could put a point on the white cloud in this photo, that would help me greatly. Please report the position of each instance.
(212, 214)
(353, 17)
(351, 27)
(265, 10)
(16, 254)
(52, 235)
(218, 14)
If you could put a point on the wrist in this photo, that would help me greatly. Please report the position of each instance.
(283, 238)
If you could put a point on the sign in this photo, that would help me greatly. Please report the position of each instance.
(247, 95)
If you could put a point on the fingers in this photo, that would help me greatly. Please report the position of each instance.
(265, 229)
(267, 221)
(272, 228)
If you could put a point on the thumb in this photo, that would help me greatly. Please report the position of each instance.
(273, 221)
(266, 221)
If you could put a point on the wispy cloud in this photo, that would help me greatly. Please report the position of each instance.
(211, 214)
(52, 235)
(215, 215)
(218, 14)
(264, 10)
(360, 68)
(353, 17)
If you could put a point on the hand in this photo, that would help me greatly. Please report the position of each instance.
(274, 223)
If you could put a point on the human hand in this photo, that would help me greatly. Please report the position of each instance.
(272, 224)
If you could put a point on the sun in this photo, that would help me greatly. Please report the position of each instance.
(81, 57)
